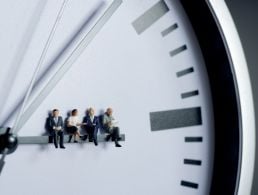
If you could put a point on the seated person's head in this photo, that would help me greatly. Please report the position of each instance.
(91, 111)
(109, 111)
(55, 113)
(74, 112)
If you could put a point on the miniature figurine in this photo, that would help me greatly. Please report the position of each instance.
(109, 124)
(73, 125)
(91, 123)
(56, 125)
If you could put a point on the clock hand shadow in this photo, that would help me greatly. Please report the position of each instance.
(51, 66)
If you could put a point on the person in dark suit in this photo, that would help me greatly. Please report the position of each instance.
(56, 126)
(110, 126)
(91, 123)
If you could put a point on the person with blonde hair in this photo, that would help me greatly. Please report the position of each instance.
(91, 123)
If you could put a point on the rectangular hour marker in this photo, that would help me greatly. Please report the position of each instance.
(192, 162)
(171, 119)
(178, 51)
(169, 30)
(193, 139)
(189, 94)
(185, 72)
(189, 184)
(151, 16)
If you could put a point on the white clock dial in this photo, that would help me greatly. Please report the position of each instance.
(147, 65)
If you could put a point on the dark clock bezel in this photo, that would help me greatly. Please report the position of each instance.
(225, 96)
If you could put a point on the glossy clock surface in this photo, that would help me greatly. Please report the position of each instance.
(146, 64)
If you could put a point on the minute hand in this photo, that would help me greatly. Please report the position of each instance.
(68, 63)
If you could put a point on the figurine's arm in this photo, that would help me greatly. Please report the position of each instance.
(68, 123)
(50, 123)
(106, 122)
(97, 122)
(61, 123)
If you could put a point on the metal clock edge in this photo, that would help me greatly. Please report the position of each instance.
(243, 84)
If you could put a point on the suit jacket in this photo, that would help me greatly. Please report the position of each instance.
(105, 120)
(53, 123)
(95, 121)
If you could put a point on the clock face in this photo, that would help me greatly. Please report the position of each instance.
(145, 63)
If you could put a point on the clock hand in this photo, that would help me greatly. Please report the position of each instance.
(20, 53)
(41, 60)
(68, 62)
(8, 141)
(2, 162)
(45, 74)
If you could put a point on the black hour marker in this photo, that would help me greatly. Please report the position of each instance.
(189, 94)
(178, 51)
(193, 139)
(169, 30)
(185, 72)
(192, 162)
(171, 119)
(189, 184)
(149, 17)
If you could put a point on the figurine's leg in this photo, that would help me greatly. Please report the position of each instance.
(108, 137)
(77, 135)
(95, 136)
(116, 136)
(70, 131)
(70, 138)
(87, 128)
(91, 132)
(55, 138)
(61, 135)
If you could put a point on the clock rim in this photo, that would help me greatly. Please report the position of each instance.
(240, 128)
(242, 79)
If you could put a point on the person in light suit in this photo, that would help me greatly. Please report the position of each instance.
(91, 123)
(56, 126)
(110, 126)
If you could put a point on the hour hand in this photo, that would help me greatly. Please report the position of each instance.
(49, 139)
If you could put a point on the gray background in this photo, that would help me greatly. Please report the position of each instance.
(245, 15)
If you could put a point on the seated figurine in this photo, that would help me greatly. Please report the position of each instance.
(91, 123)
(73, 125)
(110, 126)
(56, 128)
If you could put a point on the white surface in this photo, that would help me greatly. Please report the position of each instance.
(133, 74)
(245, 95)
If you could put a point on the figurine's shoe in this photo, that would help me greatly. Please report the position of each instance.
(62, 147)
(118, 145)
(84, 137)
(108, 138)
(75, 141)
(95, 142)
